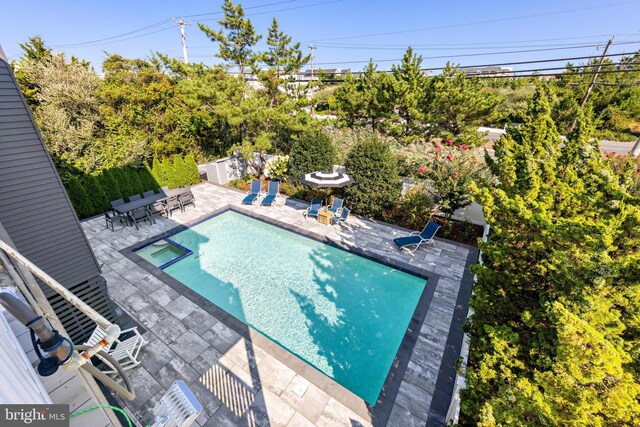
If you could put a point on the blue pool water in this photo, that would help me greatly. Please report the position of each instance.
(342, 313)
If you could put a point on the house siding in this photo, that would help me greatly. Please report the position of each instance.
(37, 214)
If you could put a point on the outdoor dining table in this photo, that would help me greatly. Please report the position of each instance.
(128, 207)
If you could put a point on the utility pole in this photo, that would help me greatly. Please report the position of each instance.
(593, 81)
(313, 48)
(182, 23)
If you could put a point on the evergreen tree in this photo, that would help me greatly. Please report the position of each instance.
(283, 59)
(159, 172)
(147, 179)
(552, 301)
(313, 151)
(126, 189)
(110, 185)
(97, 195)
(348, 102)
(167, 171)
(374, 169)
(193, 174)
(134, 180)
(409, 92)
(236, 38)
(455, 106)
(78, 196)
(180, 175)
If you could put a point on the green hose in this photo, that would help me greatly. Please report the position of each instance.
(91, 408)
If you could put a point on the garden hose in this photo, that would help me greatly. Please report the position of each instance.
(91, 408)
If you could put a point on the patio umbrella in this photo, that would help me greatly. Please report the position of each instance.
(327, 179)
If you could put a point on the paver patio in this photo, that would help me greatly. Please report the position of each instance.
(236, 376)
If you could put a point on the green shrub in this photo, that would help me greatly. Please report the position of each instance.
(78, 196)
(166, 168)
(192, 173)
(374, 169)
(110, 184)
(413, 210)
(147, 179)
(126, 189)
(159, 172)
(134, 180)
(278, 168)
(97, 195)
(180, 177)
(313, 151)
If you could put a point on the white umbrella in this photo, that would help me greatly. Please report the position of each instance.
(326, 179)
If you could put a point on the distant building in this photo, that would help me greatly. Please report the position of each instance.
(488, 71)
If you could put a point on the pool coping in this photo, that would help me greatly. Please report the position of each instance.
(378, 413)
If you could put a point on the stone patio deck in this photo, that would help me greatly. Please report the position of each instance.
(242, 378)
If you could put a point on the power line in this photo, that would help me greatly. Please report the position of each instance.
(484, 43)
(108, 40)
(438, 47)
(567, 73)
(164, 21)
(245, 8)
(490, 21)
(283, 10)
(470, 54)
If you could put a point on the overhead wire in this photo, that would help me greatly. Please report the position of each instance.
(489, 21)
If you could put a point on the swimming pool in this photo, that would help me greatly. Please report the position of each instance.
(341, 313)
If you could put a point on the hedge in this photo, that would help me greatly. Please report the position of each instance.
(91, 195)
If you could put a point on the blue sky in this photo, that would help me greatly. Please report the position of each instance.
(345, 31)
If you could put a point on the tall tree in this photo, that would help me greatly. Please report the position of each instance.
(455, 106)
(236, 38)
(283, 59)
(409, 91)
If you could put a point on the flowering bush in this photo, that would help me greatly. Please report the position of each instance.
(450, 172)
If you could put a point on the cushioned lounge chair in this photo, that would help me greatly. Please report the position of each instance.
(416, 239)
(272, 194)
(313, 209)
(336, 205)
(344, 214)
(254, 192)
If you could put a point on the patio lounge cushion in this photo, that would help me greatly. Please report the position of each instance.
(249, 199)
(269, 200)
(407, 240)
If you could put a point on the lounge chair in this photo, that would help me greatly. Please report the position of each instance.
(254, 192)
(313, 209)
(125, 351)
(272, 194)
(415, 238)
(344, 214)
(336, 205)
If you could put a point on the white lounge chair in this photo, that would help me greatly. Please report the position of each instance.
(124, 351)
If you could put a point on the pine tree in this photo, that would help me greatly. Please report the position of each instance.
(134, 180)
(282, 58)
(236, 38)
(146, 178)
(455, 106)
(409, 92)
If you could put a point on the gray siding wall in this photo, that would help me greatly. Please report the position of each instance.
(34, 207)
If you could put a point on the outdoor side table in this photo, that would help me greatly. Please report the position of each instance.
(324, 217)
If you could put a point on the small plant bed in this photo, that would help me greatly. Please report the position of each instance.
(460, 231)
